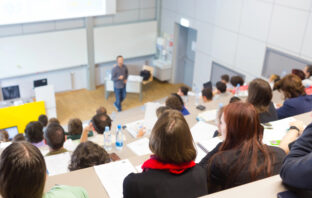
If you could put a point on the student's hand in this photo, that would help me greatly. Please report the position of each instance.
(121, 77)
(141, 132)
(125, 81)
(84, 135)
(279, 105)
(299, 124)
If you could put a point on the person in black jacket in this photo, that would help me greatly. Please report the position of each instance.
(260, 95)
(241, 157)
(297, 167)
(171, 171)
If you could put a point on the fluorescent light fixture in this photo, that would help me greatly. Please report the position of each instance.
(185, 22)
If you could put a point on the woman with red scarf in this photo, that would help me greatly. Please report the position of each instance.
(171, 170)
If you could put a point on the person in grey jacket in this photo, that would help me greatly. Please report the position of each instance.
(119, 76)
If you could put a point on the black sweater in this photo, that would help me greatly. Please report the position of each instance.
(219, 170)
(161, 183)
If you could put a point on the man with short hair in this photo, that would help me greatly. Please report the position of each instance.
(207, 95)
(43, 119)
(119, 76)
(183, 91)
(225, 78)
(54, 137)
(221, 87)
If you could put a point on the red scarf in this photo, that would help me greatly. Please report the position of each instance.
(153, 163)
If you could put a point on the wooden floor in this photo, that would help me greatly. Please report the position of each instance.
(83, 103)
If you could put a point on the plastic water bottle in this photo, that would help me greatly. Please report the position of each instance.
(107, 139)
(194, 89)
(119, 138)
(237, 90)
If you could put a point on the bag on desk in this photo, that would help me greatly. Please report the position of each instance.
(145, 74)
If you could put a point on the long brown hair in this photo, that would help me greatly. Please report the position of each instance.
(244, 133)
(171, 139)
(22, 171)
(291, 86)
(259, 94)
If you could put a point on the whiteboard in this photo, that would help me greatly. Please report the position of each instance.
(25, 11)
(37, 53)
(130, 40)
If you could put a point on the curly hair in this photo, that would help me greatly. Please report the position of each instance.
(88, 154)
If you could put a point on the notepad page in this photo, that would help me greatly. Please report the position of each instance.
(134, 127)
(209, 145)
(200, 154)
(57, 164)
(150, 116)
(112, 176)
(140, 147)
(203, 131)
(208, 115)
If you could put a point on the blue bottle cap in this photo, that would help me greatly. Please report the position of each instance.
(119, 126)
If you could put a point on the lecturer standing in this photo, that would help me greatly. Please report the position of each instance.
(119, 76)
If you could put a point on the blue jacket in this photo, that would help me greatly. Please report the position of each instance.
(185, 112)
(295, 106)
(297, 167)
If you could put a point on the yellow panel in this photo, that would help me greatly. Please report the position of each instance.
(21, 115)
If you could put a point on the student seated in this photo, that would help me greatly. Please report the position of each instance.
(4, 136)
(161, 110)
(260, 95)
(225, 79)
(75, 129)
(207, 95)
(307, 82)
(241, 157)
(298, 73)
(54, 137)
(34, 134)
(53, 120)
(171, 170)
(101, 110)
(43, 119)
(88, 154)
(183, 91)
(174, 101)
(19, 137)
(98, 124)
(296, 171)
(297, 101)
(237, 80)
(23, 173)
(220, 91)
(235, 99)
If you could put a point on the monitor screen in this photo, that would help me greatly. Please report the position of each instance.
(12, 131)
(11, 92)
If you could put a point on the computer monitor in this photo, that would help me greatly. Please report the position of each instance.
(41, 82)
(12, 131)
(11, 92)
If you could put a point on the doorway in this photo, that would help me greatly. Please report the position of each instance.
(184, 54)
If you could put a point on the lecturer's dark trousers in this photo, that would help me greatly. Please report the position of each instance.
(120, 95)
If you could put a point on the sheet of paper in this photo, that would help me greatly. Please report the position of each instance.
(139, 168)
(3, 145)
(57, 164)
(134, 127)
(140, 147)
(200, 154)
(275, 131)
(209, 145)
(150, 116)
(71, 145)
(208, 115)
(203, 131)
(112, 176)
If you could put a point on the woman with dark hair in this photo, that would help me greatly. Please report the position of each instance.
(297, 101)
(23, 174)
(299, 73)
(241, 157)
(171, 170)
(260, 95)
(88, 154)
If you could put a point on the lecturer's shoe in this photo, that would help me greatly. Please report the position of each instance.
(116, 107)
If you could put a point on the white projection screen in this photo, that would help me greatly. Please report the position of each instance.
(25, 11)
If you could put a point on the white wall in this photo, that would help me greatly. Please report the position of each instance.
(128, 11)
(235, 33)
